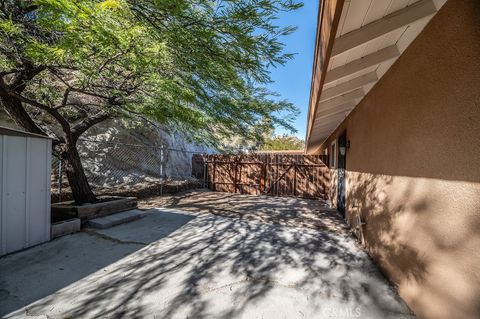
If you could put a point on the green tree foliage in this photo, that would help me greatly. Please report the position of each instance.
(283, 143)
(200, 66)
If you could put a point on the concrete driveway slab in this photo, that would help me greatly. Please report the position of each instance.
(177, 264)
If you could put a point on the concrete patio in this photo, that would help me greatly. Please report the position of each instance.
(192, 261)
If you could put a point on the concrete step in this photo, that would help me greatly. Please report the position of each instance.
(116, 219)
(65, 227)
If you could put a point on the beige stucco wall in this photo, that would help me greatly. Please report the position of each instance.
(413, 167)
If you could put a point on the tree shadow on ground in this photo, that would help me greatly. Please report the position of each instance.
(222, 267)
(40, 271)
(289, 211)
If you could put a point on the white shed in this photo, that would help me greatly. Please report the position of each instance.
(25, 166)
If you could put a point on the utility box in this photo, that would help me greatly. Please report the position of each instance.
(25, 166)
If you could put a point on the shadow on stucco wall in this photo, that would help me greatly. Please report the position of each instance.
(415, 232)
(369, 200)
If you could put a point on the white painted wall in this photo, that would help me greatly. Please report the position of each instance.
(24, 191)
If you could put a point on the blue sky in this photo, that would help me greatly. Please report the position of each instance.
(292, 81)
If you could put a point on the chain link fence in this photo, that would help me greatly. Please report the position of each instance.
(122, 169)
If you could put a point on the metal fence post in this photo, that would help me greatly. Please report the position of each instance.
(205, 167)
(60, 180)
(161, 169)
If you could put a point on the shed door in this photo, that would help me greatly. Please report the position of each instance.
(24, 192)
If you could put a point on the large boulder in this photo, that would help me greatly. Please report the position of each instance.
(116, 154)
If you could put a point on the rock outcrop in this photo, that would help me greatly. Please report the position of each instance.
(115, 154)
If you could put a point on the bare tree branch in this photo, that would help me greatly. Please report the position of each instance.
(84, 125)
(64, 99)
(51, 111)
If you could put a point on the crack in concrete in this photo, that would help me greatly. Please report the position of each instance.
(273, 283)
(92, 232)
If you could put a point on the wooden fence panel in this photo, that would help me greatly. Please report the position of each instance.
(268, 173)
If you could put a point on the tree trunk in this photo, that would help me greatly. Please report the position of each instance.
(81, 191)
(17, 113)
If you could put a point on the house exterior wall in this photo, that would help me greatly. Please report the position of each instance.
(413, 167)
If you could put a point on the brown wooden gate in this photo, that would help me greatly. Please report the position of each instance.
(267, 173)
